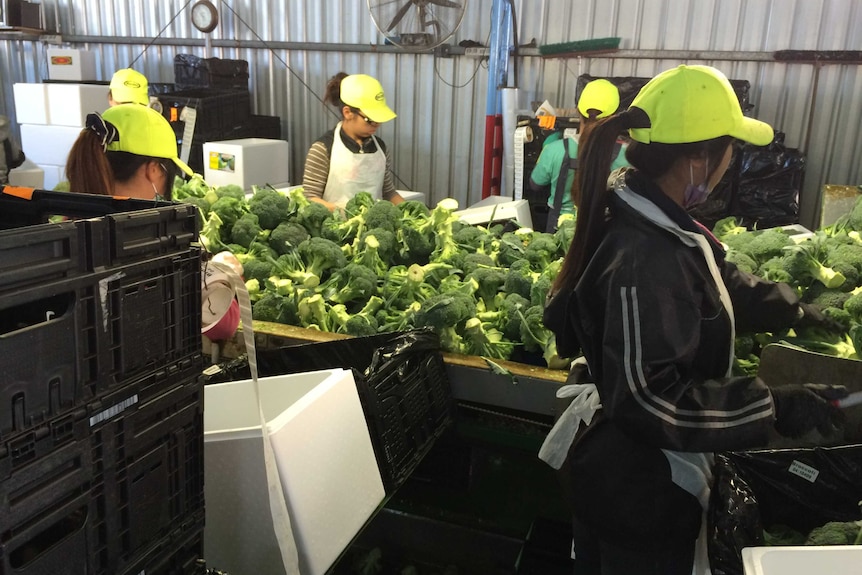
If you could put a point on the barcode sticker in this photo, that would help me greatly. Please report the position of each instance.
(113, 410)
(804, 471)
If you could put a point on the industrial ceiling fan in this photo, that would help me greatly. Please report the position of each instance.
(417, 24)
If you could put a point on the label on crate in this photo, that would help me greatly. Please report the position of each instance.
(113, 410)
(804, 471)
(222, 162)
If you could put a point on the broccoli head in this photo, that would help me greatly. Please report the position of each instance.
(270, 206)
(321, 255)
(742, 261)
(835, 533)
(276, 308)
(246, 230)
(287, 236)
(446, 313)
(541, 251)
(350, 283)
(383, 214)
(230, 191)
(489, 282)
(229, 210)
(358, 204)
(482, 340)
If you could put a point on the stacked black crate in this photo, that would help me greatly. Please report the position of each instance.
(101, 407)
(217, 90)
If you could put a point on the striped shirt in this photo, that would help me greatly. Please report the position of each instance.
(317, 164)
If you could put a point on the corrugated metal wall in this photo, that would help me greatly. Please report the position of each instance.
(438, 136)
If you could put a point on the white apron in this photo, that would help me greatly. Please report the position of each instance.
(351, 173)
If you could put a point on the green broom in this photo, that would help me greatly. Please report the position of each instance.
(580, 47)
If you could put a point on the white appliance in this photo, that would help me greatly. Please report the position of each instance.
(246, 162)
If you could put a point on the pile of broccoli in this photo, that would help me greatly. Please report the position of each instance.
(825, 268)
(376, 267)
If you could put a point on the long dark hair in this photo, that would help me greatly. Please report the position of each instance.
(594, 165)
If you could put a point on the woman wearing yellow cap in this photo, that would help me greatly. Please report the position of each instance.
(646, 295)
(554, 173)
(129, 150)
(351, 159)
(128, 87)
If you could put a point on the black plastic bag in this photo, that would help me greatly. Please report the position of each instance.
(797, 488)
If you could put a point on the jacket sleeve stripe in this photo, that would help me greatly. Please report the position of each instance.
(661, 408)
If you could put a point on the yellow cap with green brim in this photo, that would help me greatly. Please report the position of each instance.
(599, 95)
(144, 132)
(365, 93)
(692, 104)
(130, 86)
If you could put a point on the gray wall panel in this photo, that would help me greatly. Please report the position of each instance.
(437, 139)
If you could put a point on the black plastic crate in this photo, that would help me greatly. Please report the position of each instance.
(217, 109)
(178, 553)
(402, 385)
(38, 254)
(191, 71)
(150, 454)
(43, 468)
(62, 541)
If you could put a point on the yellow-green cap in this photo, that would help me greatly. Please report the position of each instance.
(365, 93)
(130, 86)
(692, 104)
(144, 132)
(599, 95)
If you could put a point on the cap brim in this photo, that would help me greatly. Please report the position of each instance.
(379, 114)
(754, 132)
(183, 166)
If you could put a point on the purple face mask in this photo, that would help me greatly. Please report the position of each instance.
(695, 195)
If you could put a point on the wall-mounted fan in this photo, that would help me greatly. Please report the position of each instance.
(417, 24)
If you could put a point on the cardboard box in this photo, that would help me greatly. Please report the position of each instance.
(71, 65)
(837, 201)
(69, 104)
(246, 162)
(325, 462)
(31, 103)
(48, 145)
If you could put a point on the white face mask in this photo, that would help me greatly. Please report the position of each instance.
(695, 195)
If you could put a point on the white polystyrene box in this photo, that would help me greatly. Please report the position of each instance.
(48, 144)
(410, 195)
(246, 162)
(325, 461)
(802, 560)
(71, 65)
(31, 103)
(53, 175)
(498, 210)
(27, 175)
(69, 104)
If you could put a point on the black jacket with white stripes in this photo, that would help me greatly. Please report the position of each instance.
(648, 315)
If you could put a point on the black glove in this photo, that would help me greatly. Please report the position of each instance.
(813, 317)
(800, 408)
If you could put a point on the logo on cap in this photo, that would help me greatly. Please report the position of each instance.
(131, 84)
(379, 97)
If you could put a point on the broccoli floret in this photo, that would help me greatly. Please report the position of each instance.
(471, 262)
(835, 533)
(321, 255)
(314, 313)
(413, 210)
(825, 297)
(538, 338)
(760, 246)
(195, 187)
(510, 249)
(839, 315)
(229, 209)
(350, 283)
(804, 265)
(726, 227)
(255, 269)
(312, 217)
(369, 256)
(383, 214)
(854, 219)
(472, 238)
(246, 230)
(391, 320)
(489, 282)
(358, 204)
(455, 284)
(287, 236)
(230, 191)
(274, 307)
(520, 278)
(565, 231)
(418, 245)
(541, 251)
(201, 203)
(542, 285)
(210, 234)
(446, 313)
(853, 305)
(822, 341)
(386, 243)
(511, 325)
(846, 259)
(743, 261)
(270, 206)
(485, 341)
(404, 285)
(773, 270)
(364, 322)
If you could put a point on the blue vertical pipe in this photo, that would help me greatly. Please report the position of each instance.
(498, 71)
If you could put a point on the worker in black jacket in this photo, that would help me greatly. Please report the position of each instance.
(646, 295)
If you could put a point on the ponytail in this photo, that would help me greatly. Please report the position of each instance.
(595, 147)
(87, 167)
(332, 93)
